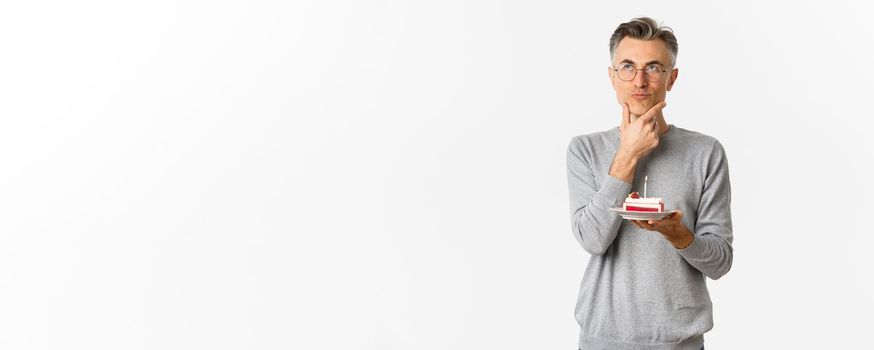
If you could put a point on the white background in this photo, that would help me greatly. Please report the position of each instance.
(391, 174)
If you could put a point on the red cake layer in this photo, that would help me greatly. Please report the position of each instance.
(633, 208)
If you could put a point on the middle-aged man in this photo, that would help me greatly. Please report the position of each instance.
(644, 286)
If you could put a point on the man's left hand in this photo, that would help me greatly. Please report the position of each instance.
(671, 227)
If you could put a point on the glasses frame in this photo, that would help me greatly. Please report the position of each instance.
(663, 70)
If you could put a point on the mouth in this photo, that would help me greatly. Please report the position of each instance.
(640, 97)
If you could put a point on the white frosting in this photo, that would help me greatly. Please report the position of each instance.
(651, 200)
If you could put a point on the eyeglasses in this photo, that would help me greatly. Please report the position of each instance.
(627, 72)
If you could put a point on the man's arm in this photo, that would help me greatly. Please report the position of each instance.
(711, 251)
(623, 166)
(708, 248)
(593, 224)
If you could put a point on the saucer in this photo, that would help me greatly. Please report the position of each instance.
(642, 215)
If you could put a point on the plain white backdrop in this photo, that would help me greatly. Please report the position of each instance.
(391, 174)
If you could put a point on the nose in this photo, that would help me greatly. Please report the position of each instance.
(640, 79)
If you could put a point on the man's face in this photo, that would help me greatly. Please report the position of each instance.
(642, 92)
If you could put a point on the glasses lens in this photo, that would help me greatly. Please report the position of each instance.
(654, 73)
(626, 73)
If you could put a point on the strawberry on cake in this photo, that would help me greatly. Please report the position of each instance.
(635, 203)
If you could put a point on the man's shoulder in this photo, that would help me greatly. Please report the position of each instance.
(599, 137)
(695, 138)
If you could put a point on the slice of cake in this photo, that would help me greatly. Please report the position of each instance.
(635, 203)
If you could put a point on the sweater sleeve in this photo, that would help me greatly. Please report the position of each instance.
(711, 251)
(593, 224)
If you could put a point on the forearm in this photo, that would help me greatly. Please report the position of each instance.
(623, 166)
(710, 254)
(681, 238)
(594, 225)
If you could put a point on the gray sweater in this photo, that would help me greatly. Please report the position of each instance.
(638, 291)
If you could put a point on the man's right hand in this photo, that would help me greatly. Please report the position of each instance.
(638, 136)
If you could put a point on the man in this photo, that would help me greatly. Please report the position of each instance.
(644, 285)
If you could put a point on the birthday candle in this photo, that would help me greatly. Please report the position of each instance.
(644, 186)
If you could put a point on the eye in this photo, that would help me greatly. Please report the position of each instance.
(654, 68)
(628, 67)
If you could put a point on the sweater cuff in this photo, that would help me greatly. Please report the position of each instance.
(695, 250)
(614, 191)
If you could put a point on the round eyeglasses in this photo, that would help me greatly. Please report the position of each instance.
(627, 72)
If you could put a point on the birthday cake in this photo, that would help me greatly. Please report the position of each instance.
(636, 203)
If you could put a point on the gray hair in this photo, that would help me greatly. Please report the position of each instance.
(645, 28)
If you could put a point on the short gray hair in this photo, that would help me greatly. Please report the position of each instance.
(645, 28)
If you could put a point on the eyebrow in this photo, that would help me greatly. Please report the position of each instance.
(648, 63)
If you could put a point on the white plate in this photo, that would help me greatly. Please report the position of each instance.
(642, 215)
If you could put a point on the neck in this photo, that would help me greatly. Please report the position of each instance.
(663, 125)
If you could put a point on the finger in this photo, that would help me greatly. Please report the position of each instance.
(674, 216)
(656, 223)
(669, 220)
(626, 114)
(651, 113)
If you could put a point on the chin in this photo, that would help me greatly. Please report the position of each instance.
(640, 107)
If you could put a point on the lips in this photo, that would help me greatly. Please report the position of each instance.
(640, 97)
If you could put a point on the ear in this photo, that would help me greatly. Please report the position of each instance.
(610, 73)
(672, 78)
